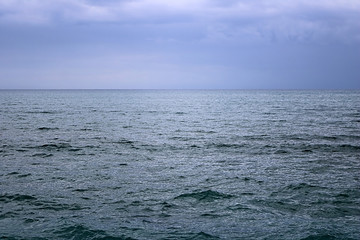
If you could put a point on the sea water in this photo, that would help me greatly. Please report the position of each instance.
(176, 164)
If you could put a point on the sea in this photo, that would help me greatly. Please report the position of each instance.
(180, 164)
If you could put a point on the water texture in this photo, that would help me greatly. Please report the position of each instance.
(162, 164)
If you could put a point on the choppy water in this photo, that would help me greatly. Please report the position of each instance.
(179, 164)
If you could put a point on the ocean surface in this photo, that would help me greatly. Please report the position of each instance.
(176, 164)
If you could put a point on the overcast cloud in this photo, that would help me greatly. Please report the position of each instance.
(179, 44)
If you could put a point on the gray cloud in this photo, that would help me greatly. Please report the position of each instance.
(180, 44)
(299, 20)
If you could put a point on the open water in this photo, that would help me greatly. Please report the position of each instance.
(161, 164)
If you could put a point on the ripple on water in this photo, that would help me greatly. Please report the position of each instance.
(179, 165)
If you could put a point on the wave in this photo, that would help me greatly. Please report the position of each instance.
(228, 145)
(202, 235)
(58, 206)
(180, 113)
(193, 236)
(86, 129)
(301, 186)
(24, 175)
(281, 205)
(293, 143)
(296, 189)
(86, 190)
(43, 112)
(39, 204)
(288, 148)
(123, 141)
(310, 148)
(208, 195)
(5, 215)
(336, 212)
(42, 155)
(55, 147)
(47, 128)
(16, 197)
(323, 237)
(166, 205)
(81, 232)
(205, 131)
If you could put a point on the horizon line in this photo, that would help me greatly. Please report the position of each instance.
(179, 89)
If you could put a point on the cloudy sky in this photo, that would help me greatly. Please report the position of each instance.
(207, 44)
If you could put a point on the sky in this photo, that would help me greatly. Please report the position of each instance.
(179, 44)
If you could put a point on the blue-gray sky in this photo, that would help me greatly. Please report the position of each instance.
(207, 44)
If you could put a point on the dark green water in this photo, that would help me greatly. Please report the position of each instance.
(179, 164)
